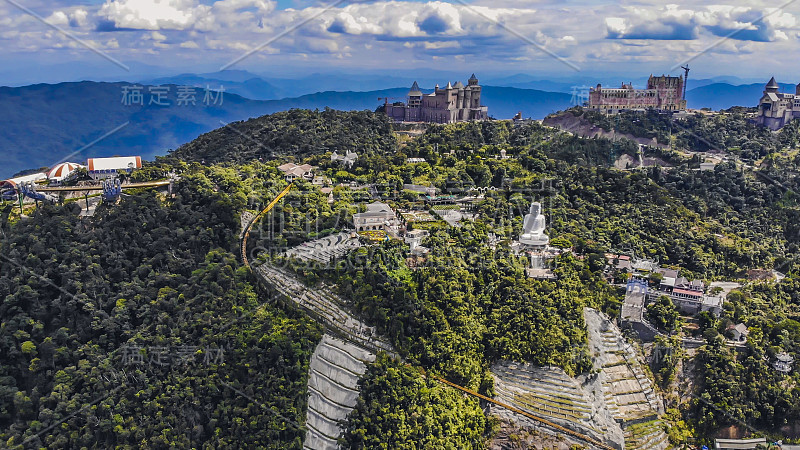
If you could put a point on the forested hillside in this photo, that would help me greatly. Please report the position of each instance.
(96, 311)
(145, 315)
(727, 132)
(298, 133)
(377, 422)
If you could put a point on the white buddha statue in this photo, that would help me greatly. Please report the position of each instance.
(533, 227)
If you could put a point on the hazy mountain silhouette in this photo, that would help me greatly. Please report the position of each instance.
(47, 123)
(723, 95)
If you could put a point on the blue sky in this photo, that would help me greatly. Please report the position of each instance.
(121, 39)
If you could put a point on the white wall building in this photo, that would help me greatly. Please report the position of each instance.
(378, 216)
(783, 362)
(9, 187)
(776, 109)
(101, 168)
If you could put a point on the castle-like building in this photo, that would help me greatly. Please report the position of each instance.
(776, 109)
(663, 93)
(454, 103)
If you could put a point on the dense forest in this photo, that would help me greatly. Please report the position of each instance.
(469, 306)
(299, 133)
(726, 132)
(431, 416)
(140, 327)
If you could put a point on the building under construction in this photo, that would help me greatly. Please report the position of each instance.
(663, 93)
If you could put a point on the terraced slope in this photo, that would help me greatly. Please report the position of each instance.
(550, 393)
(627, 389)
(327, 307)
(338, 361)
(617, 406)
(646, 436)
(334, 371)
(326, 249)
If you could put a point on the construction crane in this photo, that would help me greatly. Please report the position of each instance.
(685, 79)
(386, 99)
(256, 218)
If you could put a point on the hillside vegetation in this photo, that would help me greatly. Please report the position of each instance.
(298, 133)
(154, 273)
(95, 312)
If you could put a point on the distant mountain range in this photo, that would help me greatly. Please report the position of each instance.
(253, 88)
(723, 95)
(257, 87)
(47, 123)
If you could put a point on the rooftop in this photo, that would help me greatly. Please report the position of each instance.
(741, 329)
(116, 163)
(736, 444)
(376, 209)
(294, 169)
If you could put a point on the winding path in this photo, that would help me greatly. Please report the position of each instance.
(347, 346)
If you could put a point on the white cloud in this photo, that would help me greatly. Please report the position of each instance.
(411, 31)
(262, 6)
(154, 14)
(670, 22)
(58, 18)
(79, 18)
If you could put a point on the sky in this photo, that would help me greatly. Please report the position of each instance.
(45, 40)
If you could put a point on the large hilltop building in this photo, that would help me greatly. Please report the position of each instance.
(454, 103)
(776, 109)
(663, 93)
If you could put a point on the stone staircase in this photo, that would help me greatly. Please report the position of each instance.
(325, 306)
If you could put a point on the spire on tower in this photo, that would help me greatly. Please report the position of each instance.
(415, 90)
(772, 86)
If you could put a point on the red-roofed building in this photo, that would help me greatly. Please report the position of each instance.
(688, 296)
